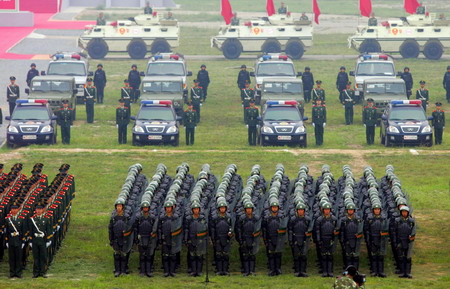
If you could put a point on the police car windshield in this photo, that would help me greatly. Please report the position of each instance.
(62, 86)
(386, 88)
(288, 113)
(164, 68)
(66, 68)
(287, 87)
(156, 113)
(407, 113)
(375, 68)
(30, 113)
(161, 86)
(275, 69)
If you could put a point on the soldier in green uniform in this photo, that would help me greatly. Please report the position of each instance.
(126, 92)
(370, 120)
(65, 120)
(12, 94)
(15, 238)
(420, 9)
(251, 116)
(122, 121)
(372, 20)
(190, 120)
(438, 123)
(422, 94)
(41, 238)
(346, 281)
(319, 120)
(101, 19)
(304, 16)
(90, 94)
(282, 9)
(234, 20)
(348, 101)
(247, 94)
(196, 97)
(318, 92)
(148, 9)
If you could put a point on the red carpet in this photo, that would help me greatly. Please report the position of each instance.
(39, 6)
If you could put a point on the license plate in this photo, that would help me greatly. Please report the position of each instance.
(410, 137)
(29, 137)
(284, 137)
(155, 137)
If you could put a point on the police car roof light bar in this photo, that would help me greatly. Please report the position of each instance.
(284, 57)
(164, 102)
(42, 101)
(281, 102)
(397, 102)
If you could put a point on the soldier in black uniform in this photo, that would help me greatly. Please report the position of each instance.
(243, 77)
(351, 232)
(407, 77)
(376, 230)
(100, 82)
(165, 239)
(203, 78)
(438, 123)
(117, 227)
(148, 9)
(90, 93)
(446, 83)
(221, 232)
(195, 237)
(308, 83)
(135, 81)
(144, 230)
(319, 120)
(126, 93)
(251, 119)
(326, 228)
(299, 234)
(190, 121)
(404, 235)
(15, 239)
(245, 235)
(270, 226)
(41, 236)
(122, 121)
(347, 99)
(12, 94)
(65, 120)
(341, 81)
(32, 73)
(370, 119)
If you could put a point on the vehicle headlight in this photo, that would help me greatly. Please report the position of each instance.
(47, 128)
(300, 129)
(13, 129)
(138, 128)
(176, 103)
(172, 129)
(80, 85)
(393, 129)
(426, 129)
(267, 129)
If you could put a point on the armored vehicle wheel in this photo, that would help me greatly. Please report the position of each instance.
(97, 48)
(137, 49)
(160, 46)
(433, 50)
(294, 49)
(232, 48)
(409, 49)
(271, 46)
(370, 45)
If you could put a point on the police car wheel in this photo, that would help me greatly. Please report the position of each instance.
(429, 144)
(271, 46)
(137, 49)
(9, 145)
(97, 48)
(433, 50)
(232, 49)
(295, 49)
(370, 45)
(160, 46)
(305, 143)
(409, 49)
(176, 142)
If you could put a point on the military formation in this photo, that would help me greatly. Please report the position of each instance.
(34, 217)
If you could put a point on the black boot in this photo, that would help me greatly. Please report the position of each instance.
(381, 267)
(402, 268)
(116, 265)
(408, 268)
(297, 267)
(330, 266)
(173, 265)
(189, 263)
(278, 263)
(199, 266)
(166, 266)
(123, 264)
(226, 265)
(252, 265)
(219, 265)
(246, 265)
(373, 266)
(356, 262)
(271, 262)
(303, 263)
(142, 264)
(149, 266)
(324, 266)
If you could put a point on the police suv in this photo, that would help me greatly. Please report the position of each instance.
(156, 123)
(404, 123)
(281, 123)
(32, 122)
(168, 64)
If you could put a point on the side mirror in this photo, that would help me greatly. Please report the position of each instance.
(259, 118)
(252, 74)
(352, 73)
(141, 73)
(299, 74)
(133, 118)
(189, 73)
(27, 90)
(54, 117)
(305, 118)
(430, 118)
(384, 117)
(90, 73)
(43, 72)
(8, 117)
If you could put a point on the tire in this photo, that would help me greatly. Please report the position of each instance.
(232, 49)
(137, 49)
(295, 49)
(305, 144)
(410, 49)
(97, 48)
(9, 145)
(271, 46)
(176, 142)
(160, 46)
(433, 50)
(370, 45)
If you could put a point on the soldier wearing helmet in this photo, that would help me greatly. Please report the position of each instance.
(247, 237)
(195, 237)
(117, 229)
(299, 234)
(376, 231)
(165, 236)
(351, 233)
(146, 240)
(220, 229)
(404, 235)
(270, 231)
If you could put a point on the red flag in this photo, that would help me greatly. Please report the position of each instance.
(365, 6)
(227, 12)
(411, 6)
(316, 11)
(270, 7)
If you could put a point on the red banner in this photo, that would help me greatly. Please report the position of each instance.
(227, 12)
(8, 5)
(316, 11)
(411, 6)
(270, 7)
(365, 6)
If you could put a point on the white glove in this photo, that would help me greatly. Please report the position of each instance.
(343, 106)
(364, 125)
(7, 245)
(324, 124)
(57, 228)
(23, 245)
(314, 125)
(48, 244)
(246, 125)
(117, 125)
(31, 245)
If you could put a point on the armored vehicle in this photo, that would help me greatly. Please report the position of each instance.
(383, 91)
(137, 36)
(271, 34)
(283, 89)
(408, 36)
(164, 88)
(168, 64)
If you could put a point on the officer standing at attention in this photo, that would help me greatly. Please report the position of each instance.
(376, 229)
(282, 9)
(12, 94)
(308, 83)
(190, 121)
(318, 92)
(101, 19)
(135, 81)
(404, 235)
(407, 77)
(100, 82)
(221, 231)
(243, 77)
(372, 20)
(446, 83)
(40, 232)
(165, 239)
(126, 93)
(203, 78)
(32, 73)
(438, 123)
(245, 234)
(15, 239)
(195, 233)
(422, 94)
(326, 228)
(234, 20)
(251, 116)
(348, 101)
(370, 121)
(196, 98)
(122, 121)
(90, 94)
(144, 229)
(270, 225)
(65, 120)
(247, 94)
(148, 9)
(299, 235)
(116, 229)
(341, 80)
(319, 120)
(351, 232)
